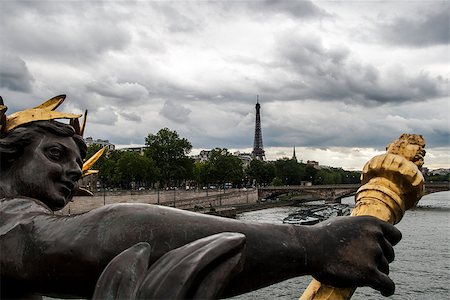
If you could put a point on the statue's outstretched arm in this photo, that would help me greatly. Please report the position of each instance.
(65, 255)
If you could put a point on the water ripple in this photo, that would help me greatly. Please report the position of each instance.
(422, 266)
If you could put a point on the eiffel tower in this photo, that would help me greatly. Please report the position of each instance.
(258, 150)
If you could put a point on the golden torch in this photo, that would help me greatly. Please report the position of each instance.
(391, 184)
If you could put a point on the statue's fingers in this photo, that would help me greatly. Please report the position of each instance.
(215, 282)
(124, 273)
(391, 233)
(388, 250)
(383, 265)
(210, 261)
(382, 283)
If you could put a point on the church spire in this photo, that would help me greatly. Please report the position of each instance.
(293, 155)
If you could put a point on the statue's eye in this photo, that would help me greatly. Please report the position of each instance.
(54, 153)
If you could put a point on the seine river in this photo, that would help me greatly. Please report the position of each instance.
(421, 269)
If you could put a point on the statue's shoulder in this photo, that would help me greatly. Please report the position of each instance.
(20, 210)
(22, 205)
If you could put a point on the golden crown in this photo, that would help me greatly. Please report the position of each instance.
(43, 112)
(46, 112)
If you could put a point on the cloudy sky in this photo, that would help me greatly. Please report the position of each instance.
(336, 79)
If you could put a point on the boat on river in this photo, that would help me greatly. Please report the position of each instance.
(317, 213)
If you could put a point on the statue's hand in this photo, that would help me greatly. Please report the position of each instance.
(354, 251)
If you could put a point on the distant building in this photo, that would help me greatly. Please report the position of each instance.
(139, 150)
(313, 163)
(203, 156)
(246, 158)
(440, 171)
(294, 157)
(104, 143)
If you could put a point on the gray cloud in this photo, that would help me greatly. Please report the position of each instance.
(124, 93)
(324, 73)
(58, 30)
(131, 116)
(14, 74)
(297, 9)
(178, 21)
(175, 112)
(197, 66)
(429, 29)
(104, 116)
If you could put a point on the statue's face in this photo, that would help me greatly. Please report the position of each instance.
(414, 153)
(410, 146)
(48, 170)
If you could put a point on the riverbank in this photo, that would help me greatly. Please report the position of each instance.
(217, 203)
(188, 200)
(231, 212)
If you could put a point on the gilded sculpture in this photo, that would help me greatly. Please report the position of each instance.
(391, 184)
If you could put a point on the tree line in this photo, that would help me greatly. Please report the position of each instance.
(165, 163)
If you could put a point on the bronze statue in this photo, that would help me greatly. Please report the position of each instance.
(141, 251)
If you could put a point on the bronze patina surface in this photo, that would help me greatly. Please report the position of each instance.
(151, 252)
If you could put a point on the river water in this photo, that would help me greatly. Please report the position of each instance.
(421, 269)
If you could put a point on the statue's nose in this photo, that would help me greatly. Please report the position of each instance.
(73, 171)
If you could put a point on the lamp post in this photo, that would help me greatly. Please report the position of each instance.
(104, 191)
(174, 195)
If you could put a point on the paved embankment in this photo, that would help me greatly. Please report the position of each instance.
(177, 198)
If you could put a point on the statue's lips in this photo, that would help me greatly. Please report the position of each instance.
(66, 187)
(419, 156)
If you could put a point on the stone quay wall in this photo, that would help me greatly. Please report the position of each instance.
(174, 198)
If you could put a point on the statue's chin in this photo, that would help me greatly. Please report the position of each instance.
(419, 163)
(58, 203)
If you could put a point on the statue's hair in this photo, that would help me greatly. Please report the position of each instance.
(14, 142)
(396, 146)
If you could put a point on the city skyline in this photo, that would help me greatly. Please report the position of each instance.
(338, 80)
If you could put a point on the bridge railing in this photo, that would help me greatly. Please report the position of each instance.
(306, 187)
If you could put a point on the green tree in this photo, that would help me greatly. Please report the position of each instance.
(133, 167)
(224, 167)
(201, 173)
(310, 173)
(349, 177)
(109, 171)
(169, 152)
(263, 172)
(183, 170)
(289, 171)
(437, 178)
(277, 181)
(325, 176)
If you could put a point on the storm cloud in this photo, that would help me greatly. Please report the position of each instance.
(330, 75)
(430, 29)
(14, 74)
(175, 112)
